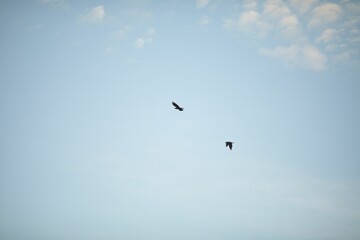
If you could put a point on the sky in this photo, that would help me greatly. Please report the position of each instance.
(91, 147)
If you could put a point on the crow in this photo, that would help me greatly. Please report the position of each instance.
(177, 107)
(229, 144)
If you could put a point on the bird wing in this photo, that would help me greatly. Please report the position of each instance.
(175, 105)
(229, 144)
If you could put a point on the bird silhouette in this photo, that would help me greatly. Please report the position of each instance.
(177, 107)
(229, 144)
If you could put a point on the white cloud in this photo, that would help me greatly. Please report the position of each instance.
(314, 58)
(139, 43)
(146, 38)
(307, 56)
(326, 36)
(249, 17)
(297, 26)
(276, 9)
(202, 3)
(325, 14)
(302, 6)
(289, 22)
(286, 53)
(274, 15)
(282, 19)
(290, 28)
(96, 14)
(249, 21)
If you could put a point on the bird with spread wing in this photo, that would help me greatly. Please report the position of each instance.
(177, 107)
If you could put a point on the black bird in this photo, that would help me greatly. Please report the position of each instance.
(229, 144)
(177, 107)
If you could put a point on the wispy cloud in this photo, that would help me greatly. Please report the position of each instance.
(147, 38)
(205, 20)
(150, 34)
(309, 32)
(303, 6)
(121, 33)
(327, 35)
(307, 56)
(52, 1)
(57, 3)
(130, 60)
(274, 15)
(325, 14)
(151, 31)
(202, 3)
(139, 43)
(249, 21)
(94, 15)
(108, 50)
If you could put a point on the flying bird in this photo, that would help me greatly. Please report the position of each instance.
(177, 107)
(229, 144)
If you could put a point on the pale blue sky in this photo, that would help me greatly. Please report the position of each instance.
(91, 147)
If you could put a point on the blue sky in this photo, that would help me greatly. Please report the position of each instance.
(91, 147)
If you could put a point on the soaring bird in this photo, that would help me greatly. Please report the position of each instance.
(229, 144)
(177, 107)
